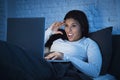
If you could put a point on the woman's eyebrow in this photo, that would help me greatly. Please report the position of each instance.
(74, 23)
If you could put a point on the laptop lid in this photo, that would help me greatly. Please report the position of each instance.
(27, 33)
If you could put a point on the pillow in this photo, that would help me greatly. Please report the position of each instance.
(103, 38)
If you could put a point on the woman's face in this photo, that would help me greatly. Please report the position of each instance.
(73, 29)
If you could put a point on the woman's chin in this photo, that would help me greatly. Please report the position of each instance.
(71, 40)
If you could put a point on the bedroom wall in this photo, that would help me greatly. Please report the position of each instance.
(101, 13)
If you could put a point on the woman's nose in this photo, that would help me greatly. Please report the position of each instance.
(69, 29)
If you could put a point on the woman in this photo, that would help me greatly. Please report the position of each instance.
(80, 50)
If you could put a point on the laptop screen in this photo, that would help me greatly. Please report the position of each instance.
(27, 33)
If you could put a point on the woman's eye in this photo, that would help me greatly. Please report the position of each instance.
(73, 25)
(66, 26)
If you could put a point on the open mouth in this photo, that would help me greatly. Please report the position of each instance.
(70, 36)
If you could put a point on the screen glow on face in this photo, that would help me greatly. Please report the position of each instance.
(72, 29)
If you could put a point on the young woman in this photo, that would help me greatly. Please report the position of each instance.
(80, 50)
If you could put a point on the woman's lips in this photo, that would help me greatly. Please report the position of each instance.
(70, 35)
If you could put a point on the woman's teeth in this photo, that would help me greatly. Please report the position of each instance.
(69, 34)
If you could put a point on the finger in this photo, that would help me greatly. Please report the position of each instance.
(50, 56)
(55, 57)
(46, 58)
(53, 25)
(59, 24)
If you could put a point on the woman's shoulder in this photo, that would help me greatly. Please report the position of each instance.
(89, 41)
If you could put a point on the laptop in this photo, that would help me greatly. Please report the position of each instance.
(28, 33)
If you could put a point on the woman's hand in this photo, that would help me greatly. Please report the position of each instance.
(54, 56)
(55, 26)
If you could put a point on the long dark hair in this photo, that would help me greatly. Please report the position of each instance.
(81, 18)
